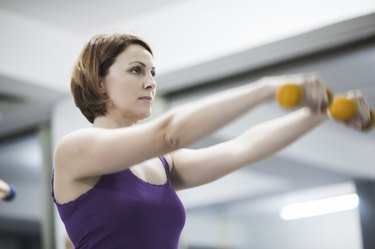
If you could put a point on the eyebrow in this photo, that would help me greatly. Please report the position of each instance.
(140, 62)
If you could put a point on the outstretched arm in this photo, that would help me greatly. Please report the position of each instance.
(198, 119)
(92, 148)
(196, 167)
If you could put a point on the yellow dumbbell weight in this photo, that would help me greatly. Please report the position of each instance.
(291, 95)
(372, 123)
(342, 108)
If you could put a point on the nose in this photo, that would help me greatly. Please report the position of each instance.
(150, 83)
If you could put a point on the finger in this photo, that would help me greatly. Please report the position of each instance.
(317, 97)
(362, 118)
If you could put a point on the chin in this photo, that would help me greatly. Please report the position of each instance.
(145, 115)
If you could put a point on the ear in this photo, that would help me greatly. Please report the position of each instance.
(102, 87)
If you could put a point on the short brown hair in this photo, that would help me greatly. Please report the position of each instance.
(93, 65)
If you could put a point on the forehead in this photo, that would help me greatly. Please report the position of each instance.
(136, 52)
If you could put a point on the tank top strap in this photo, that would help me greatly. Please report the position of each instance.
(165, 164)
(52, 188)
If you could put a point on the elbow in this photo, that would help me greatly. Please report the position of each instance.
(171, 141)
(170, 135)
(177, 128)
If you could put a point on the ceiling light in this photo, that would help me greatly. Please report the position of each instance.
(319, 207)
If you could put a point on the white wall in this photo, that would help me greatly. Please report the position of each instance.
(339, 230)
(183, 34)
(257, 224)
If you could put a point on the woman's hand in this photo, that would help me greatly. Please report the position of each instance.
(314, 92)
(362, 118)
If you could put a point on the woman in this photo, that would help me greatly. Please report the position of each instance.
(114, 184)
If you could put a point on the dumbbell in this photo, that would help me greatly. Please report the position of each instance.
(291, 95)
(341, 108)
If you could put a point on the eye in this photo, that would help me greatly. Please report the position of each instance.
(136, 70)
(153, 73)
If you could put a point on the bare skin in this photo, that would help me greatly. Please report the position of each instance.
(115, 143)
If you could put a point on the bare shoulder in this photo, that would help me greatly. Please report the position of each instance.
(80, 135)
(72, 142)
(67, 186)
(93, 152)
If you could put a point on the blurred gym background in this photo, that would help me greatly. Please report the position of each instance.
(201, 46)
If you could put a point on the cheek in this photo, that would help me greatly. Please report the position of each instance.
(125, 95)
(123, 90)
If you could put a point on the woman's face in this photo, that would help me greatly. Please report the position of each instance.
(130, 84)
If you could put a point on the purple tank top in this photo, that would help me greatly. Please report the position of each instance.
(124, 212)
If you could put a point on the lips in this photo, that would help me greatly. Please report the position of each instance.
(146, 98)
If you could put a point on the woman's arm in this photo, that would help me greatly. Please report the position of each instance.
(94, 151)
(200, 118)
(196, 167)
